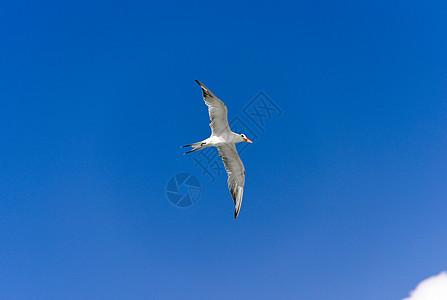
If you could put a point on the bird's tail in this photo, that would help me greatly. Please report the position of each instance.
(196, 146)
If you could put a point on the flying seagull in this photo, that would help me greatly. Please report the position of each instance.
(224, 139)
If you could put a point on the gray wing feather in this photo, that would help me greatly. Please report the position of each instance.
(236, 173)
(217, 111)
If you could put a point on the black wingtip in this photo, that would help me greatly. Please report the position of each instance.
(185, 146)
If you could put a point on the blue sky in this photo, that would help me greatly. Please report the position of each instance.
(345, 196)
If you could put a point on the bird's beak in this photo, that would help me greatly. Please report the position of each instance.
(248, 141)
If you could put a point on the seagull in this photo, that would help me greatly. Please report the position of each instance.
(224, 139)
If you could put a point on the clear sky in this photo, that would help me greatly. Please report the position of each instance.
(345, 195)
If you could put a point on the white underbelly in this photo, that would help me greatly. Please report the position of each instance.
(216, 141)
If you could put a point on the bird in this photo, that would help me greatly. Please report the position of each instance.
(224, 139)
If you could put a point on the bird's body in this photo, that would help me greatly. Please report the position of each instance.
(224, 139)
(216, 141)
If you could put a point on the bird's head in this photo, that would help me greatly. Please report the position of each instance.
(245, 139)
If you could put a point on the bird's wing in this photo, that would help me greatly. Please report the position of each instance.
(217, 110)
(236, 173)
